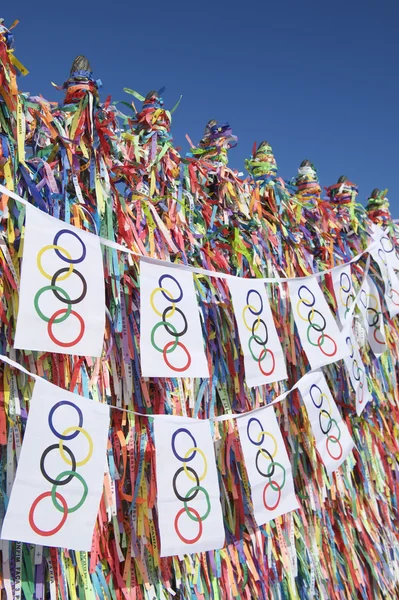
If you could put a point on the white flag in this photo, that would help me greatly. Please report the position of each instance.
(333, 440)
(357, 371)
(57, 490)
(370, 307)
(344, 291)
(62, 298)
(318, 331)
(171, 341)
(263, 355)
(188, 498)
(268, 466)
(391, 280)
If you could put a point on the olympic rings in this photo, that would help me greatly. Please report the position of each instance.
(193, 491)
(318, 327)
(66, 476)
(170, 328)
(269, 455)
(255, 337)
(331, 421)
(61, 295)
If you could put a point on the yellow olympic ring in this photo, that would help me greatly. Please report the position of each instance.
(329, 403)
(195, 449)
(159, 289)
(340, 295)
(375, 300)
(88, 438)
(243, 317)
(274, 440)
(309, 317)
(39, 262)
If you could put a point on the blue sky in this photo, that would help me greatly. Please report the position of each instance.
(318, 80)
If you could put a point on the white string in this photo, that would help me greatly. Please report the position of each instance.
(198, 270)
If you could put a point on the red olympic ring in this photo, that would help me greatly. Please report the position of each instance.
(378, 341)
(64, 516)
(52, 336)
(264, 495)
(183, 539)
(336, 441)
(321, 346)
(392, 293)
(165, 356)
(262, 354)
(361, 386)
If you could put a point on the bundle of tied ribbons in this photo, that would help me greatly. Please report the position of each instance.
(118, 175)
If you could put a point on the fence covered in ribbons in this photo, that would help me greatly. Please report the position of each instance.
(120, 177)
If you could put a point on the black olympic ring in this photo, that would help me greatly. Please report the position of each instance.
(272, 463)
(44, 472)
(323, 410)
(376, 318)
(194, 494)
(56, 293)
(166, 324)
(351, 345)
(315, 325)
(256, 335)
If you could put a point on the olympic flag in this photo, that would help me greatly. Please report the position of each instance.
(171, 342)
(357, 371)
(189, 510)
(370, 307)
(267, 464)
(261, 347)
(59, 480)
(384, 255)
(62, 299)
(333, 441)
(344, 291)
(317, 328)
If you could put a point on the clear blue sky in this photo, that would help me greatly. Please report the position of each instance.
(318, 80)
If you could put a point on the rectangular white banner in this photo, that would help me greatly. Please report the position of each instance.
(384, 260)
(188, 497)
(263, 355)
(370, 307)
(62, 298)
(333, 441)
(171, 341)
(357, 371)
(59, 481)
(344, 291)
(318, 331)
(268, 466)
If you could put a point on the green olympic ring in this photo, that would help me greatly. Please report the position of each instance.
(208, 510)
(61, 291)
(173, 347)
(259, 341)
(85, 491)
(271, 466)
